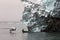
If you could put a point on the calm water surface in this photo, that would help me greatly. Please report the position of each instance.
(42, 36)
(18, 35)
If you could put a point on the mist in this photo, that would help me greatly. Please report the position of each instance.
(11, 10)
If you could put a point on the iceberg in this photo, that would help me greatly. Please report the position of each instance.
(38, 15)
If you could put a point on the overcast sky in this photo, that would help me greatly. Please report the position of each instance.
(10, 10)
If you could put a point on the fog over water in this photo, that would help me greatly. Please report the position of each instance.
(10, 10)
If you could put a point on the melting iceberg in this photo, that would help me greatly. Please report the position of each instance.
(37, 12)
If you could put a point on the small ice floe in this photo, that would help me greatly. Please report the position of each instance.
(12, 29)
(25, 31)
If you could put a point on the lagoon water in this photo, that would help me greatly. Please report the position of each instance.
(42, 36)
(18, 35)
(6, 35)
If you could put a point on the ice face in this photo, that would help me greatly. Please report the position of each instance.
(35, 13)
(49, 5)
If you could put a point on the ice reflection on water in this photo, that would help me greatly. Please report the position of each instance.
(18, 35)
(43, 36)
